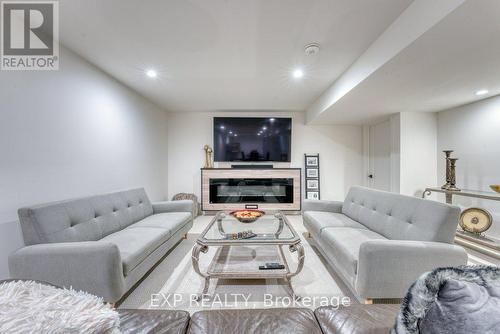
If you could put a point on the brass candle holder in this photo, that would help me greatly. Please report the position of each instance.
(448, 169)
(453, 180)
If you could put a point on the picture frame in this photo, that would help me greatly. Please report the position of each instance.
(312, 184)
(312, 195)
(312, 172)
(312, 161)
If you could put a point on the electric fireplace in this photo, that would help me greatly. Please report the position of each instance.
(232, 189)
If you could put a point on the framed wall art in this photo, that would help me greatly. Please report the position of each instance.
(312, 172)
(314, 195)
(312, 179)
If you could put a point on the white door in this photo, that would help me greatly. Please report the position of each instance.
(380, 156)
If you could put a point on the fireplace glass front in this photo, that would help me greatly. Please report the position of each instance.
(254, 190)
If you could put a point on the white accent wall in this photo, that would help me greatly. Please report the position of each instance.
(473, 132)
(340, 149)
(418, 137)
(71, 133)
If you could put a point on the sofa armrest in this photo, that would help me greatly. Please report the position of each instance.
(173, 206)
(387, 268)
(328, 206)
(92, 266)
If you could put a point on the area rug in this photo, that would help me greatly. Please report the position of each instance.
(173, 284)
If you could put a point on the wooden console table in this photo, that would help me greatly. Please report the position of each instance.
(480, 243)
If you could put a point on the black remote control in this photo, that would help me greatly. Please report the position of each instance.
(272, 266)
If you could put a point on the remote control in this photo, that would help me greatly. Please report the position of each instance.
(272, 266)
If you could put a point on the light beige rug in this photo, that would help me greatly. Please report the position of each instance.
(173, 284)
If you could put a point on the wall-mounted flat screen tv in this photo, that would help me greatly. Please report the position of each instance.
(252, 139)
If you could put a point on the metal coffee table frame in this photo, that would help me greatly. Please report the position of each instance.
(293, 244)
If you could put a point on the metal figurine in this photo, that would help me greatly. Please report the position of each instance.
(208, 157)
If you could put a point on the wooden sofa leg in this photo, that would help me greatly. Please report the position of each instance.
(185, 236)
(368, 301)
(309, 235)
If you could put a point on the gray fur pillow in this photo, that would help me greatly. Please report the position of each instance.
(458, 300)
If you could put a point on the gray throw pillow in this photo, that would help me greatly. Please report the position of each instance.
(464, 307)
(454, 300)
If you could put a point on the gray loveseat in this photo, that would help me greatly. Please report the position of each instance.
(102, 244)
(381, 242)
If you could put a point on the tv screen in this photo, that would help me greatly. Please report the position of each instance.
(252, 139)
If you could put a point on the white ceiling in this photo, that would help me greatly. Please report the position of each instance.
(441, 69)
(225, 54)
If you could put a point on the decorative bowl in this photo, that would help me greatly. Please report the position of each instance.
(495, 187)
(247, 216)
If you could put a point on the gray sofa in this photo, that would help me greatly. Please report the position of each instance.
(381, 242)
(102, 244)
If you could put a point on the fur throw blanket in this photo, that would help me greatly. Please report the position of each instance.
(31, 307)
(452, 300)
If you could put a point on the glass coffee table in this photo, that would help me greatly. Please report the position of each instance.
(238, 258)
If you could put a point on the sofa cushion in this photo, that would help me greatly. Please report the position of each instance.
(402, 217)
(250, 321)
(357, 319)
(171, 221)
(135, 244)
(344, 244)
(153, 321)
(316, 221)
(84, 219)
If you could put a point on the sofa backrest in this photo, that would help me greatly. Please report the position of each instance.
(402, 217)
(83, 219)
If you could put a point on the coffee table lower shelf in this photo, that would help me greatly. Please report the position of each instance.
(243, 261)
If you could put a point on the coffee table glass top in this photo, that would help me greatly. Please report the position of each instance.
(272, 228)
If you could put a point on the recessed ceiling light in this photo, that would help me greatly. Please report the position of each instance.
(151, 73)
(271, 119)
(236, 135)
(298, 73)
(258, 134)
(222, 127)
(264, 128)
(482, 92)
(230, 132)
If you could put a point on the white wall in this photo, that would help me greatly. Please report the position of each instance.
(395, 122)
(418, 138)
(70, 133)
(340, 149)
(473, 132)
